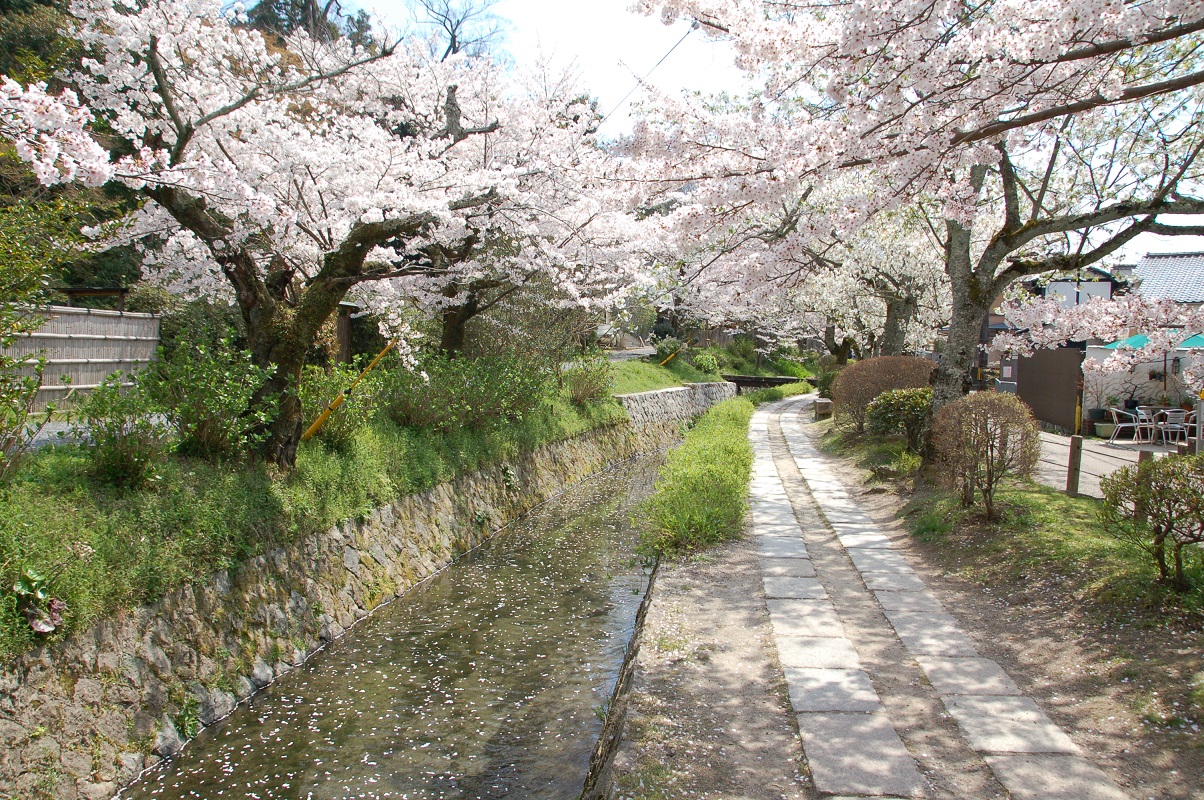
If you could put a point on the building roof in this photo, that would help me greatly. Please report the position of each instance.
(1172, 276)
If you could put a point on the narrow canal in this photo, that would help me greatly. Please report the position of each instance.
(487, 681)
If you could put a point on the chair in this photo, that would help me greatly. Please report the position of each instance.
(1173, 421)
(1137, 422)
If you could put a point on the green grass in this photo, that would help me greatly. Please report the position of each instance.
(1047, 536)
(772, 393)
(883, 456)
(104, 549)
(699, 497)
(638, 375)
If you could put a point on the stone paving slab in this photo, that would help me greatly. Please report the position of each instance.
(874, 539)
(846, 517)
(924, 601)
(813, 689)
(898, 581)
(977, 676)
(781, 547)
(934, 634)
(821, 652)
(875, 559)
(858, 755)
(787, 568)
(780, 586)
(804, 618)
(1007, 725)
(1049, 777)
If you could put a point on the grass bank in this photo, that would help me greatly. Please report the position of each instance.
(638, 375)
(701, 492)
(103, 548)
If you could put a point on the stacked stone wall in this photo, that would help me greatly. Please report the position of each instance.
(83, 716)
(685, 402)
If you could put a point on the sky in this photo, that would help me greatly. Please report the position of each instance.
(611, 48)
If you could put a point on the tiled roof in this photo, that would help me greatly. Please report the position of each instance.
(1172, 276)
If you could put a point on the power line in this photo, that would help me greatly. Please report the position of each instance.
(641, 81)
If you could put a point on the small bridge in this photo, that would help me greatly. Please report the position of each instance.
(757, 382)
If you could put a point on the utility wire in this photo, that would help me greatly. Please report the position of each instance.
(641, 81)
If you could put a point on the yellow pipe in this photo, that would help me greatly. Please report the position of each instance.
(675, 352)
(333, 405)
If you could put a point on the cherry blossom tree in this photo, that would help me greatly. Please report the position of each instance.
(878, 289)
(1042, 322)
(291, 177)
(1051, 131)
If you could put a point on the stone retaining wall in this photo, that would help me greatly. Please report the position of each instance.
(82, 717)
(678, 403)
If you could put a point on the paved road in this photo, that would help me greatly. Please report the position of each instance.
(1099, 459)
(892, 697)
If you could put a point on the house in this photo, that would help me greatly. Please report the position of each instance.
(1178, 277)
(1167, 276)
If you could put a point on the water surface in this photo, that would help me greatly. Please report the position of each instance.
(486, 681)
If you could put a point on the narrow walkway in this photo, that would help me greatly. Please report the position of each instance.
(891, 695)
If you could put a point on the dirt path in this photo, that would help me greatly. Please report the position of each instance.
(709, 716)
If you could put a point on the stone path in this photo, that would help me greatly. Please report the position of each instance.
(891, 695)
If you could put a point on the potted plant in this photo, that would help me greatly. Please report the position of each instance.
(1094, 392)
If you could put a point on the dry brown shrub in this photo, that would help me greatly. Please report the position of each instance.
(860, 382)
(981, 439)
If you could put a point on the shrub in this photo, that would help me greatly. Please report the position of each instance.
(772, 393)
(481, 393)
(699, 498)
(906, 411)
(705, 362)
(589, 379)
(1159, 506)
(205, 392)
(126, 439)
(321, 385)
(862, 381)
(824, 370)
(669, 346)
(981, 439)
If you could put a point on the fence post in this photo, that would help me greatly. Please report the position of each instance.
(1143, 457)
(1075, 467)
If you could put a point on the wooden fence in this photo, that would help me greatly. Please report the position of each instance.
(86, 345)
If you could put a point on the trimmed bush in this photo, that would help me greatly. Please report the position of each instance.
(1158, 506)
(906, 411)
(699, 499)
(860, 382)
(705, 362)
(981, 439)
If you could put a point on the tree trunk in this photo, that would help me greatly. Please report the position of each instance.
(974, 293)
(454, 325)
(843, 350)
(899, 312)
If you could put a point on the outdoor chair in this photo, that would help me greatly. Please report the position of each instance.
(1138, 422)
(1173, 422)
